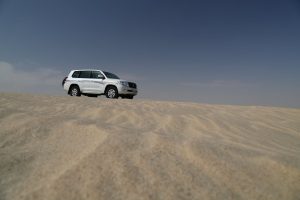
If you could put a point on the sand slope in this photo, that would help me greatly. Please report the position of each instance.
(94, 148)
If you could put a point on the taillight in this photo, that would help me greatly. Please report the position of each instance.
(63, 82)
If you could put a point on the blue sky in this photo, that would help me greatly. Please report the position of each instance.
(214, 51)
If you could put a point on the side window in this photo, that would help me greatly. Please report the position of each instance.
(76, 74)
(97, 75)
(85, 74)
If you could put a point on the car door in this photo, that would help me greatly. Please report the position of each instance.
(97, 84)
(84, 80)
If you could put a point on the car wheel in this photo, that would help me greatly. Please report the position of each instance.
(111, 92)
(74, 91)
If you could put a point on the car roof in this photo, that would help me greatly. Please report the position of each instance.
(86, 70)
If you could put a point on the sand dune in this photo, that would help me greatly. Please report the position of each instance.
(94, 148)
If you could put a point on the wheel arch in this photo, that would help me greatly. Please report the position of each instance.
(72, 85)
(110, 85)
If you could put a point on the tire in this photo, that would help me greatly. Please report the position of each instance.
(111, 92)
(75, 91)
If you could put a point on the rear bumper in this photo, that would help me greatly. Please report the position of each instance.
(66, 86)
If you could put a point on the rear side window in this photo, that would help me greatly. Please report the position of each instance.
(85, 74)
(76, 74)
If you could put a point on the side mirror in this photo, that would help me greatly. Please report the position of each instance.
(101, 77)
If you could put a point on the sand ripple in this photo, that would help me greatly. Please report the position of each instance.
(94, 148)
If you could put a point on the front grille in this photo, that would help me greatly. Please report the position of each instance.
(132, 85)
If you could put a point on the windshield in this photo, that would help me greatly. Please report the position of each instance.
(110, 75)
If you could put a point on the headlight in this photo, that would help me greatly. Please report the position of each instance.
(124, 83)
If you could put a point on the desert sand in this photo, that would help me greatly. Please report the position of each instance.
(61, 147)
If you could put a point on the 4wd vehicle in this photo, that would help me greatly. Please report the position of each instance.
(92, 82)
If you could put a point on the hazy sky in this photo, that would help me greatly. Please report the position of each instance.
(215, 51)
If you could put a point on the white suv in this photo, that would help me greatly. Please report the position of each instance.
(93, 82)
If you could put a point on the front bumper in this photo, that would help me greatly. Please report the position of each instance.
(127, 90)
